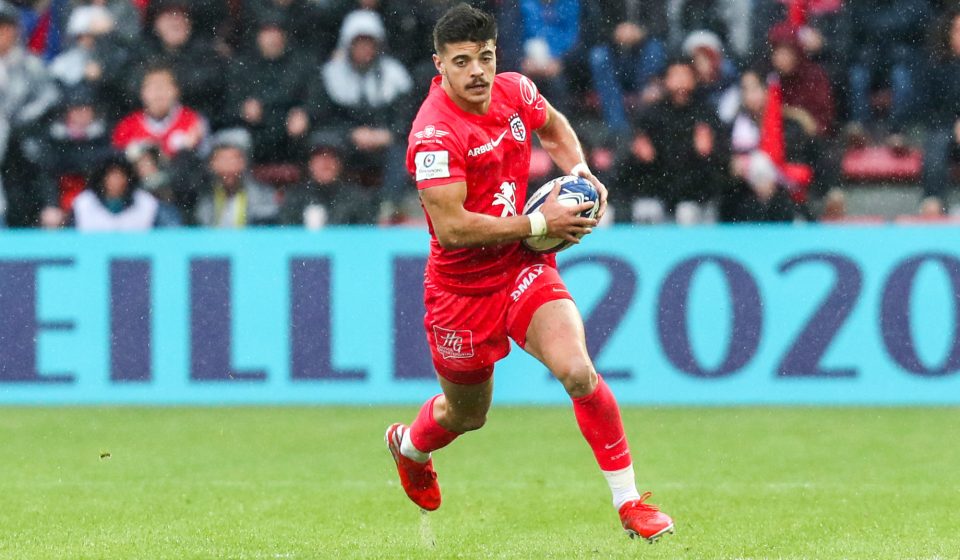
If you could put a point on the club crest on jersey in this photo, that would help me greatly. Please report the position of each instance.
(453, 344)
(517, 129)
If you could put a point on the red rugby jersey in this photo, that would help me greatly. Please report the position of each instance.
(169, 134)
(491, 153)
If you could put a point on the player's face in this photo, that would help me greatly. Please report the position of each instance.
(468, 69)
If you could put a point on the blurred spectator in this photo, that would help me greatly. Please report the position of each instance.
(72, 146)
(756, 197)
(197, 66)
(266, 92)
(113, 201)
(806, 86)
(178, 131)
(723, 17)
(834, 206)
(678, 153)
(156, 176)
(126, 18)
(233, 198)
(716, 74)
(800, 130)
(96, 57)
(310, 25)
(409, 25)
(887, 38)
(628, 54)
(932, 208)
(551, 31)
(942, 140)
(823, 29)
(163, 120)
(27, 93)
(410, 28)
(324, 198)
(362, 95)
(210, 19)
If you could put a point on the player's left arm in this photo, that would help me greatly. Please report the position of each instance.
(560, 141)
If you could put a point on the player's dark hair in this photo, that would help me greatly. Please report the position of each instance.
(464, 23)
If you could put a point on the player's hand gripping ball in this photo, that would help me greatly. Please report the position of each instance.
(573, 191)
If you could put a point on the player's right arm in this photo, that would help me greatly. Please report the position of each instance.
(457, 228)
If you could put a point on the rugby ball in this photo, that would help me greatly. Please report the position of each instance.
(573, 191)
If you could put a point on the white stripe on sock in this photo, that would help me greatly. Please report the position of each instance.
(623, 486)
(409, 451)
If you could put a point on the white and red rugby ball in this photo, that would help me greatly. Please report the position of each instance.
(573, 191)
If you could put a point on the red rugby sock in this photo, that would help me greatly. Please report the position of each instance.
(599, 418)
(426, 434)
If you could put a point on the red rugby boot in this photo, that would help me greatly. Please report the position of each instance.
(419, 480)
(643, 519)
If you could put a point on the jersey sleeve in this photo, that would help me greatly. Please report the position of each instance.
(532, 105)
(435, 156)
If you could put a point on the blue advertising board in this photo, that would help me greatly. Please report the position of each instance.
(699, 316)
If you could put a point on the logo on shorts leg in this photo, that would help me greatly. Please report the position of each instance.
(453, 344)
(525, 280)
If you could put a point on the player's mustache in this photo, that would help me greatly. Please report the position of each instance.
(477, 83)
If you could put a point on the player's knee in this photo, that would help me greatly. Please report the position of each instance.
(578, 378)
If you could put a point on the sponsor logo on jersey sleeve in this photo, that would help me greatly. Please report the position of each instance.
(529, 94)
(528, 91)
(432, 165)
(430, 131)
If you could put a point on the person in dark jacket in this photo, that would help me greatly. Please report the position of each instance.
(942, 141)
(209, 18)
(266, 93)
(325, 198)
(72, 146)
(362, 94)
(307, 23)
(678, 153)
(755, 195)
(198, 68)
(96, 58)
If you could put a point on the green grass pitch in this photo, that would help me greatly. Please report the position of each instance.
(741, 483)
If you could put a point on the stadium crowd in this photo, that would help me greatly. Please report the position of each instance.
(132, 114)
